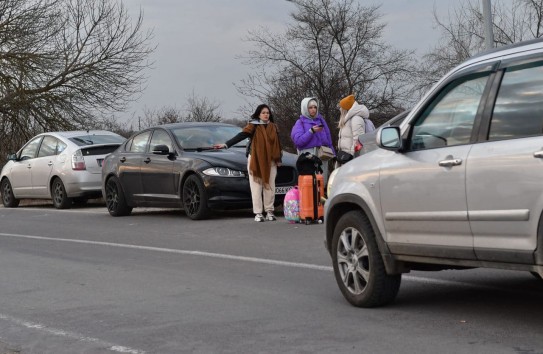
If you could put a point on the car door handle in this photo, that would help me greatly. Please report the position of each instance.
(29, 166)
(50, 163)
(122, 159)
(450, 162)
(147, 160)
(538, 154)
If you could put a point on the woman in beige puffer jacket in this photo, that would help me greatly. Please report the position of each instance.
(351, 123)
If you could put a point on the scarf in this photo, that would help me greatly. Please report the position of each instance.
(265, 149)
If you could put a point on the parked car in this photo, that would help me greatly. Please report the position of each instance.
(366, 142)
(62, 166)
(175, 165)
(457, 185)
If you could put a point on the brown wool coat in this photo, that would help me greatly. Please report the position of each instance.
(265, 148)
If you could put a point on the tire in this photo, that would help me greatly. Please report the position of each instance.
(115, 199)
(194, 198)
(358, 265)
(8, 199)
(59, 195)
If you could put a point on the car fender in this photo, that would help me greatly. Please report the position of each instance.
(346, 202)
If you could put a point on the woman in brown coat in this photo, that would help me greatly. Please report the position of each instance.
(263, 159)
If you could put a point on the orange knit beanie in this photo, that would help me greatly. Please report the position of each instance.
(347, 102)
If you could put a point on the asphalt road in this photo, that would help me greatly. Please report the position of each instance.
(81, 281)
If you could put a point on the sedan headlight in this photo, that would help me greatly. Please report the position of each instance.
(331, 181)
(223, 172)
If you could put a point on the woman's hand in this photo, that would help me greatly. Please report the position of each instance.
(220, 146)
(317, 128)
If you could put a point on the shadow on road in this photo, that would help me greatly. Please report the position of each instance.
(496, 298)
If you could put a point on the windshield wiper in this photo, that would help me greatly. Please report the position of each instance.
(199, 149)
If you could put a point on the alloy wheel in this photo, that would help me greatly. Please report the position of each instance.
(8, 198)
(353, 261)
(112, 196)
(192, 198)
(6, 193)
(58, 193)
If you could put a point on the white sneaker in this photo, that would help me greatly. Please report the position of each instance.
(259, 218)
(270, 216)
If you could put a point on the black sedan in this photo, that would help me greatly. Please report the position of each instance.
(175, 165)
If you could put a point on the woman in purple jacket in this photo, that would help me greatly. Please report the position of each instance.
(311, 131)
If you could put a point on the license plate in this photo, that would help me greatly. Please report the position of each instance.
(282, 190)
(100, 162)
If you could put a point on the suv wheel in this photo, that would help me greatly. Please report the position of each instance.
(8, 199)
(358, 265)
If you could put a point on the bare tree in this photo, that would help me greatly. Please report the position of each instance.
(63, 63)
(332, 48)
(198, 109)
(164, 115)
(112, 124)
(462, 33)
(202, 109)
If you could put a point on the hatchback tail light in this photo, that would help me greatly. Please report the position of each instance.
(78, 161)
(358, 146)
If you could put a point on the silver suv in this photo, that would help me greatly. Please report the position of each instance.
(457, 185)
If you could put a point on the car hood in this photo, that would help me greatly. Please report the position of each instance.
(235, 158)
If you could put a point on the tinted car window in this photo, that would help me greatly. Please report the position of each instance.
(160, 137)
(48, 146)
(518, 110)
(96, 139)
(449, 119)
(139, 143)
(30, 150)
(195, 137)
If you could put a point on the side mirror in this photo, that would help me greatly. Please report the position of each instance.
(389, 138)
(161, 150)
(12, 157)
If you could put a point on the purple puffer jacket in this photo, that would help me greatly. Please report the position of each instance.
(304, 139)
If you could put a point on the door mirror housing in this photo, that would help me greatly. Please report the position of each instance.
(161, 150)
(12, 157)
(389, 138)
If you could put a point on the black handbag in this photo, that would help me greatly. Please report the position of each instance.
(343, 157)
(308, 164)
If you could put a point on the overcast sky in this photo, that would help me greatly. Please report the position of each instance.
(198, 41)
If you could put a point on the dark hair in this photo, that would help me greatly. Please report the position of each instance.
(259, 109)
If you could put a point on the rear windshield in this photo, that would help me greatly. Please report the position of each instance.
(99, 150)
(92, 139)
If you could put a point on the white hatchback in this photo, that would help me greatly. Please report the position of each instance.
(63, 166)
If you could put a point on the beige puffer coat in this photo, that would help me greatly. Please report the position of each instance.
(354, 126)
